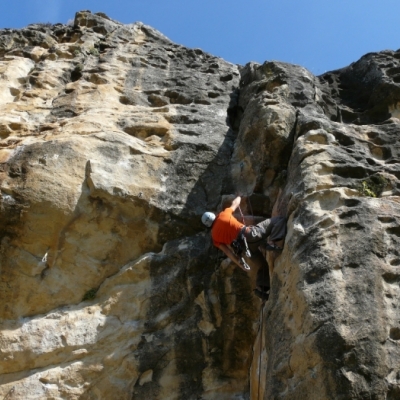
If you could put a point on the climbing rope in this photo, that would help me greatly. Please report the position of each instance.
(261, 338)
(263, 279)
(259, 360)
(241, 214)
(247, 194)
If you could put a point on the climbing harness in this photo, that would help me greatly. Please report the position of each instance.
(243, 239)
(244, 264)
(239, 246)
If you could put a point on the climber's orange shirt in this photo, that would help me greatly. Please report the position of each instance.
(225, 228)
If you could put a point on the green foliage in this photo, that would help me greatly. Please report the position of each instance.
(90, 294)
(94, 52)
(77, 52)
(365, 189)
(373, 186)
(78, 67)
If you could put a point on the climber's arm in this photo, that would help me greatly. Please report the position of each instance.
(229, 253)
(235, 203)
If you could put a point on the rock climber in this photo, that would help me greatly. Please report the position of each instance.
(226, 230)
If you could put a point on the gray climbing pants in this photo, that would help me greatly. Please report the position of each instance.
(272, 228)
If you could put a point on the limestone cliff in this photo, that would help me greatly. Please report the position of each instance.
(113, 142)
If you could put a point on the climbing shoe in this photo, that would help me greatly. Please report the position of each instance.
(272, 247)
(262, 294)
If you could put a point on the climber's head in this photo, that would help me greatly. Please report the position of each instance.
(208, 218)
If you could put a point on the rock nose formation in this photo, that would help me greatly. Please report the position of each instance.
(113, 142)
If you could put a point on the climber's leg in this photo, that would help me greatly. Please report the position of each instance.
(274, 228)
(258, 260)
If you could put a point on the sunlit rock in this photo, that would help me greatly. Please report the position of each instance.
(113, 142)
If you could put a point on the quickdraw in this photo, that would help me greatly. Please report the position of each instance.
(239, 246)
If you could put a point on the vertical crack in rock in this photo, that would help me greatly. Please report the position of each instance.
(113, 141)
(329, 318)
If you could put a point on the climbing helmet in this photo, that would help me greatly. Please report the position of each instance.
(208, 218)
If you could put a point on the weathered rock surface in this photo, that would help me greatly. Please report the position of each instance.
(332, 323)
(113, 142)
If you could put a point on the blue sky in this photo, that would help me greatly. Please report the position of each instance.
(320, 35)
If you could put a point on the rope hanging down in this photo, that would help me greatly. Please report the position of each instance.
(263, 272)
(260, 351)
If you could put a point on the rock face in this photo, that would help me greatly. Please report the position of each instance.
(332, 324)
(113, 142)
